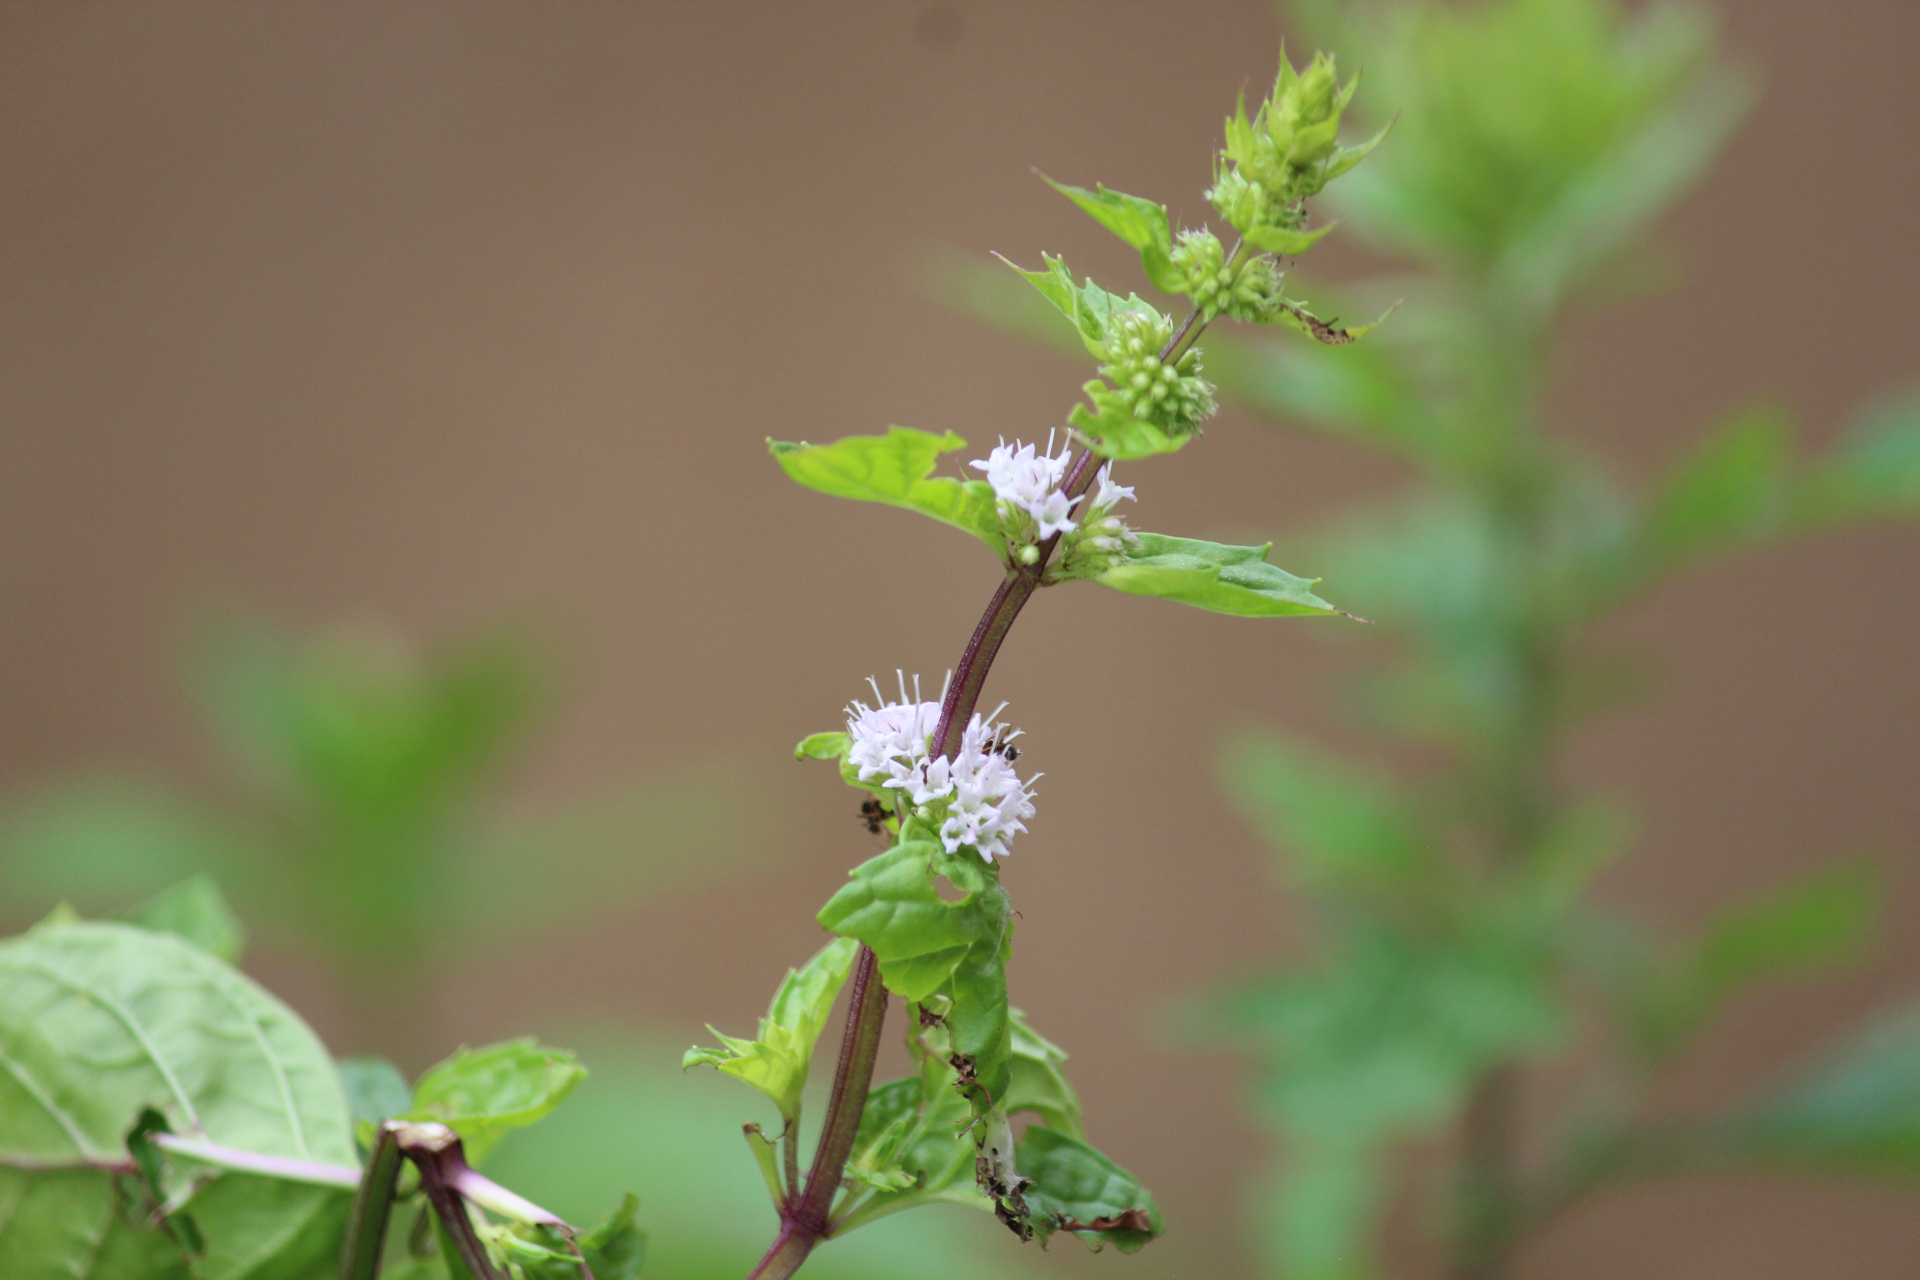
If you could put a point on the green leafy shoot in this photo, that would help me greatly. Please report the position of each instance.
(776, 1062)
(482, 1094)
(896, 469)
(1222, 579)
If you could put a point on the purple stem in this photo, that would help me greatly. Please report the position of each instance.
(803, 1221)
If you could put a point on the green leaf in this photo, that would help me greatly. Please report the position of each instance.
(893, 904)
(1814, 923)
(195, 910)
(1874, 472)
(1038, 1084)
(776, 1062)
(615, 1246)
(1856, 1112)
(376, 1091)
(1140, 222)
(1341, 827)
(896, 469)
(1730, 491)
(1327, 333)
(1112, 431)
(1207, 575)
(481, 1094)
(822, 746)
(1285, 241)
(99, 1022)
(911, 1148)
(1386, 1036)
(929, 945)
(1091, 308)
(1077, 1189)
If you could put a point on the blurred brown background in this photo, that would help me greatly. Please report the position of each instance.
(434, 313)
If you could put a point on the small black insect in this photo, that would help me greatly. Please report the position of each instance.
(1002, 745)
(873, 815)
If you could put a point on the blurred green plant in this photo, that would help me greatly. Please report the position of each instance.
(361, 821)
(1455, 943)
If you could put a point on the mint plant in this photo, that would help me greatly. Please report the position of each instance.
(161, 1116)
(1456, 944)
(929, 919)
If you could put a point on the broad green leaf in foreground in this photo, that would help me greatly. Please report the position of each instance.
(896, 469)
(101, 1021)
(481, 1094)
(1207, 575)
(1079, 1190)
(776, 1062)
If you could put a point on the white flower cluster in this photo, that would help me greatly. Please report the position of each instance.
(982, 797)
(1105, 530)
(1026, 480)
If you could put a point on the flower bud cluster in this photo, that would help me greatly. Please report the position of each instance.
(974, 799)
(1251, 294)
(1172, 396)
(1103, 539)
(1281, 157)
(1028, 498)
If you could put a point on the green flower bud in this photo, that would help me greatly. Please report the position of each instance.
(1285, 151)
(1171, 396)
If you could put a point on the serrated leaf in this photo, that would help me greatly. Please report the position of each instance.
(1139, 222)
(1038, 1084)
(1208, 575)
(482, 1094)
(1077, 1189)
(1091, 309)
(99, 1022)
(195, 910)
(896, 469)
(776, 1062)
